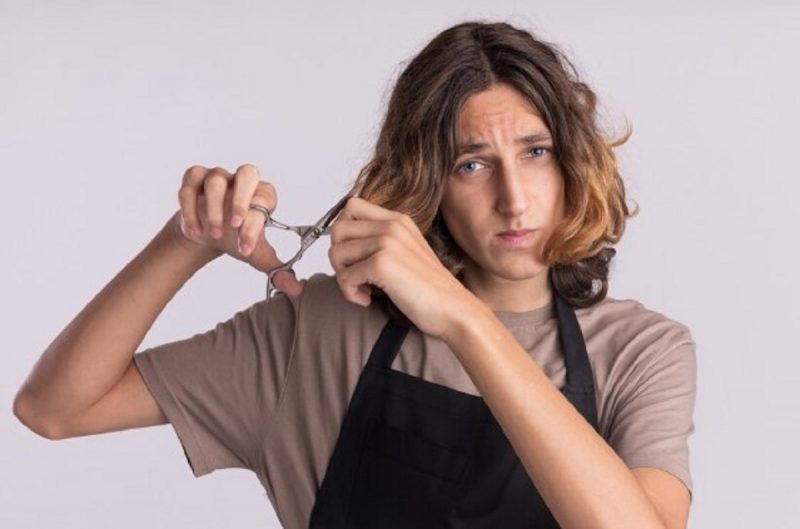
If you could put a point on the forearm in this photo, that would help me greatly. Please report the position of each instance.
(580, 477)
(93, 351)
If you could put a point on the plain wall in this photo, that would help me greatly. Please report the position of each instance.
(103, 105)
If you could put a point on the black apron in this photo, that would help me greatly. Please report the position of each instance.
(416, 454)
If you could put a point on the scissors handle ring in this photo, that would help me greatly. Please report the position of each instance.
(271, 290)
(262, 209)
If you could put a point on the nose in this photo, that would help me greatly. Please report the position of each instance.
(511, 199)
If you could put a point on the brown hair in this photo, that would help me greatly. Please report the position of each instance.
(415, 149)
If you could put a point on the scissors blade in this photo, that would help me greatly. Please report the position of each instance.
(307, 231)
(322, 226)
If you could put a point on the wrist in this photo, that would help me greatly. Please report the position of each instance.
(172, 236)
(468, 311)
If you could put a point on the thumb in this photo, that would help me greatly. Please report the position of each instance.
(287, 282)
(264, 259)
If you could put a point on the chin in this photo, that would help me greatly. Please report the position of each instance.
(519, 271)
(512, 268)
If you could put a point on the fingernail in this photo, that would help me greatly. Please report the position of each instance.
(236, 221)
(216, 233)
(244, 249)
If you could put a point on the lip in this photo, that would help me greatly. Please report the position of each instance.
(516, 238)
(514, 233)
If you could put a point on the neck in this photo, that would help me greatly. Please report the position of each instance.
(510, 295)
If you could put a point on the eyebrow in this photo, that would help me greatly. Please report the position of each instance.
(529, 139)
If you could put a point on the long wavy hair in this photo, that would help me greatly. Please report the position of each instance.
(416, 147)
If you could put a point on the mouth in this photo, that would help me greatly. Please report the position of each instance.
(516, 238)
(514, 233)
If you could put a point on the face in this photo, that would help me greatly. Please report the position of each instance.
(505, 193)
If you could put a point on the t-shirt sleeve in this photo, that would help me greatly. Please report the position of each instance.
(654, 418)
(219, 389)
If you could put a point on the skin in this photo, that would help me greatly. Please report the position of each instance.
(503, 186)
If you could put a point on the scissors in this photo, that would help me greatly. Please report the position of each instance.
(308, 235)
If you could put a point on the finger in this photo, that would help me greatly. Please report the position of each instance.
(265, 259)
(187, 197)
(286, 282)
(347, 253)
(215, 187)
(410, 237)
(245, 182)
(397, 223)
(359, 209)
(253, 228)
(356, 281)
(346, 229)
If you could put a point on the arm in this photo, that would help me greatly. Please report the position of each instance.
(91, 355)
(580, 477)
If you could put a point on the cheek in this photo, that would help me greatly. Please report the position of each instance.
(456, 218)
(451, 219)
(449, 208)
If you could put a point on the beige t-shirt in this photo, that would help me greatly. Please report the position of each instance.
(267, 390)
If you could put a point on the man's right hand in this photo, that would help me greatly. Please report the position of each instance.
(214, 215)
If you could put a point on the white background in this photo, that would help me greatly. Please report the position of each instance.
(103, 105)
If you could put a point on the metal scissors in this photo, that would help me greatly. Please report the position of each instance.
(308, 235)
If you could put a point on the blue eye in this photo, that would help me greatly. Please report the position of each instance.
(461, 168)
(540, 149)
(473, 166)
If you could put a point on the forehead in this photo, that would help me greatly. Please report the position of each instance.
(500, 107)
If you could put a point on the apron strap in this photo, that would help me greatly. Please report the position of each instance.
(573, 346)
(579, 370)
(389, 342)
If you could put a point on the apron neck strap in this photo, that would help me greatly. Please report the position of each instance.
(576, 358)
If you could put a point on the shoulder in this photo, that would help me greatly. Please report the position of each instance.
(626, 320)
(630, 343)
(332, 339)
(322, 307)
(321, 292)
